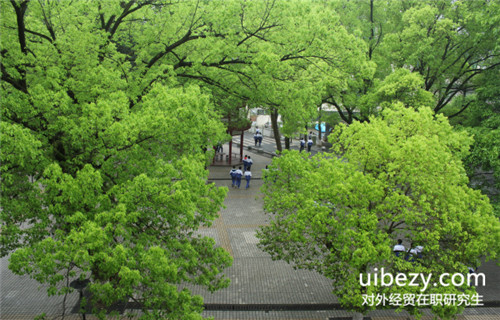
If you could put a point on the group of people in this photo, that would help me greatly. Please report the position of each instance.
(247, 162)
(303, 143)
(237, 174)
(414, 253)
(309, 143)
(258, 137)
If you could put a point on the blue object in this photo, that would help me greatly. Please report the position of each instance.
(323, 127)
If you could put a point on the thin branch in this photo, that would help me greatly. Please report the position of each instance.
(460, 111)
(47, 23)
(214, 83)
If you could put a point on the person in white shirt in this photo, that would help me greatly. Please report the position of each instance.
(238, 174)
(232, 173)
(302, 144)
(309, 144)
(399, 248)
(245, 163)
(417, 252)
(248, 176)
(259, 139)
(249, 163)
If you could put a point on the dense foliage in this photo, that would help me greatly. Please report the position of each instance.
(400, 177)
(110, 110)
(104, 153)
(448, 44)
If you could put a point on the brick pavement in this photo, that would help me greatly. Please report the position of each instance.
(268, 146)
(256, 280)
(24, 298)
(469, 314)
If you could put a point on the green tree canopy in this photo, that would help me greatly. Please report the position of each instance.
(109, 108)
(286, 55)
(104, 152)
(482, 120)
(400, 176)
(448, 43)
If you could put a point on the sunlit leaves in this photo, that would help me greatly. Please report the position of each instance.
(103, 154)
(400, 176)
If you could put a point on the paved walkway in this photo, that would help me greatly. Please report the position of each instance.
(258, 283)
(268, 146)
(259, 286)
(255, 278)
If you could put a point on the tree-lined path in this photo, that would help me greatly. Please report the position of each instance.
(259, 286)
(109, 107)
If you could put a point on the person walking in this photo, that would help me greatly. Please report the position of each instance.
(259, 139)
(248, 176)
(415, 254)
(249, 163)
(232, 173)
(399, 248)
(302, 144)
(245, 163)
(309, 144)
(238, 174)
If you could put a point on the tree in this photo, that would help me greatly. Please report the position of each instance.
(103, 155)
(369, 21)
(482, 120)
(286, 55)
(449, 43)
(401, 86)
(320, 57)
(400, 177)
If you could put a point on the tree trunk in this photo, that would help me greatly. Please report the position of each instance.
(372, 34)
(287, 143)
(276, 129)
(327, 130)
(319, 124)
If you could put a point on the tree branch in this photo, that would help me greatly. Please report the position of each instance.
(47, 23)
(460, 111)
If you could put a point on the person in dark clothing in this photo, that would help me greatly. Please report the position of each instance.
(245, 163)
(249, 163)
(399, 249)
(238, 174)
(232, 173)
(309, 144)
(248, 176)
